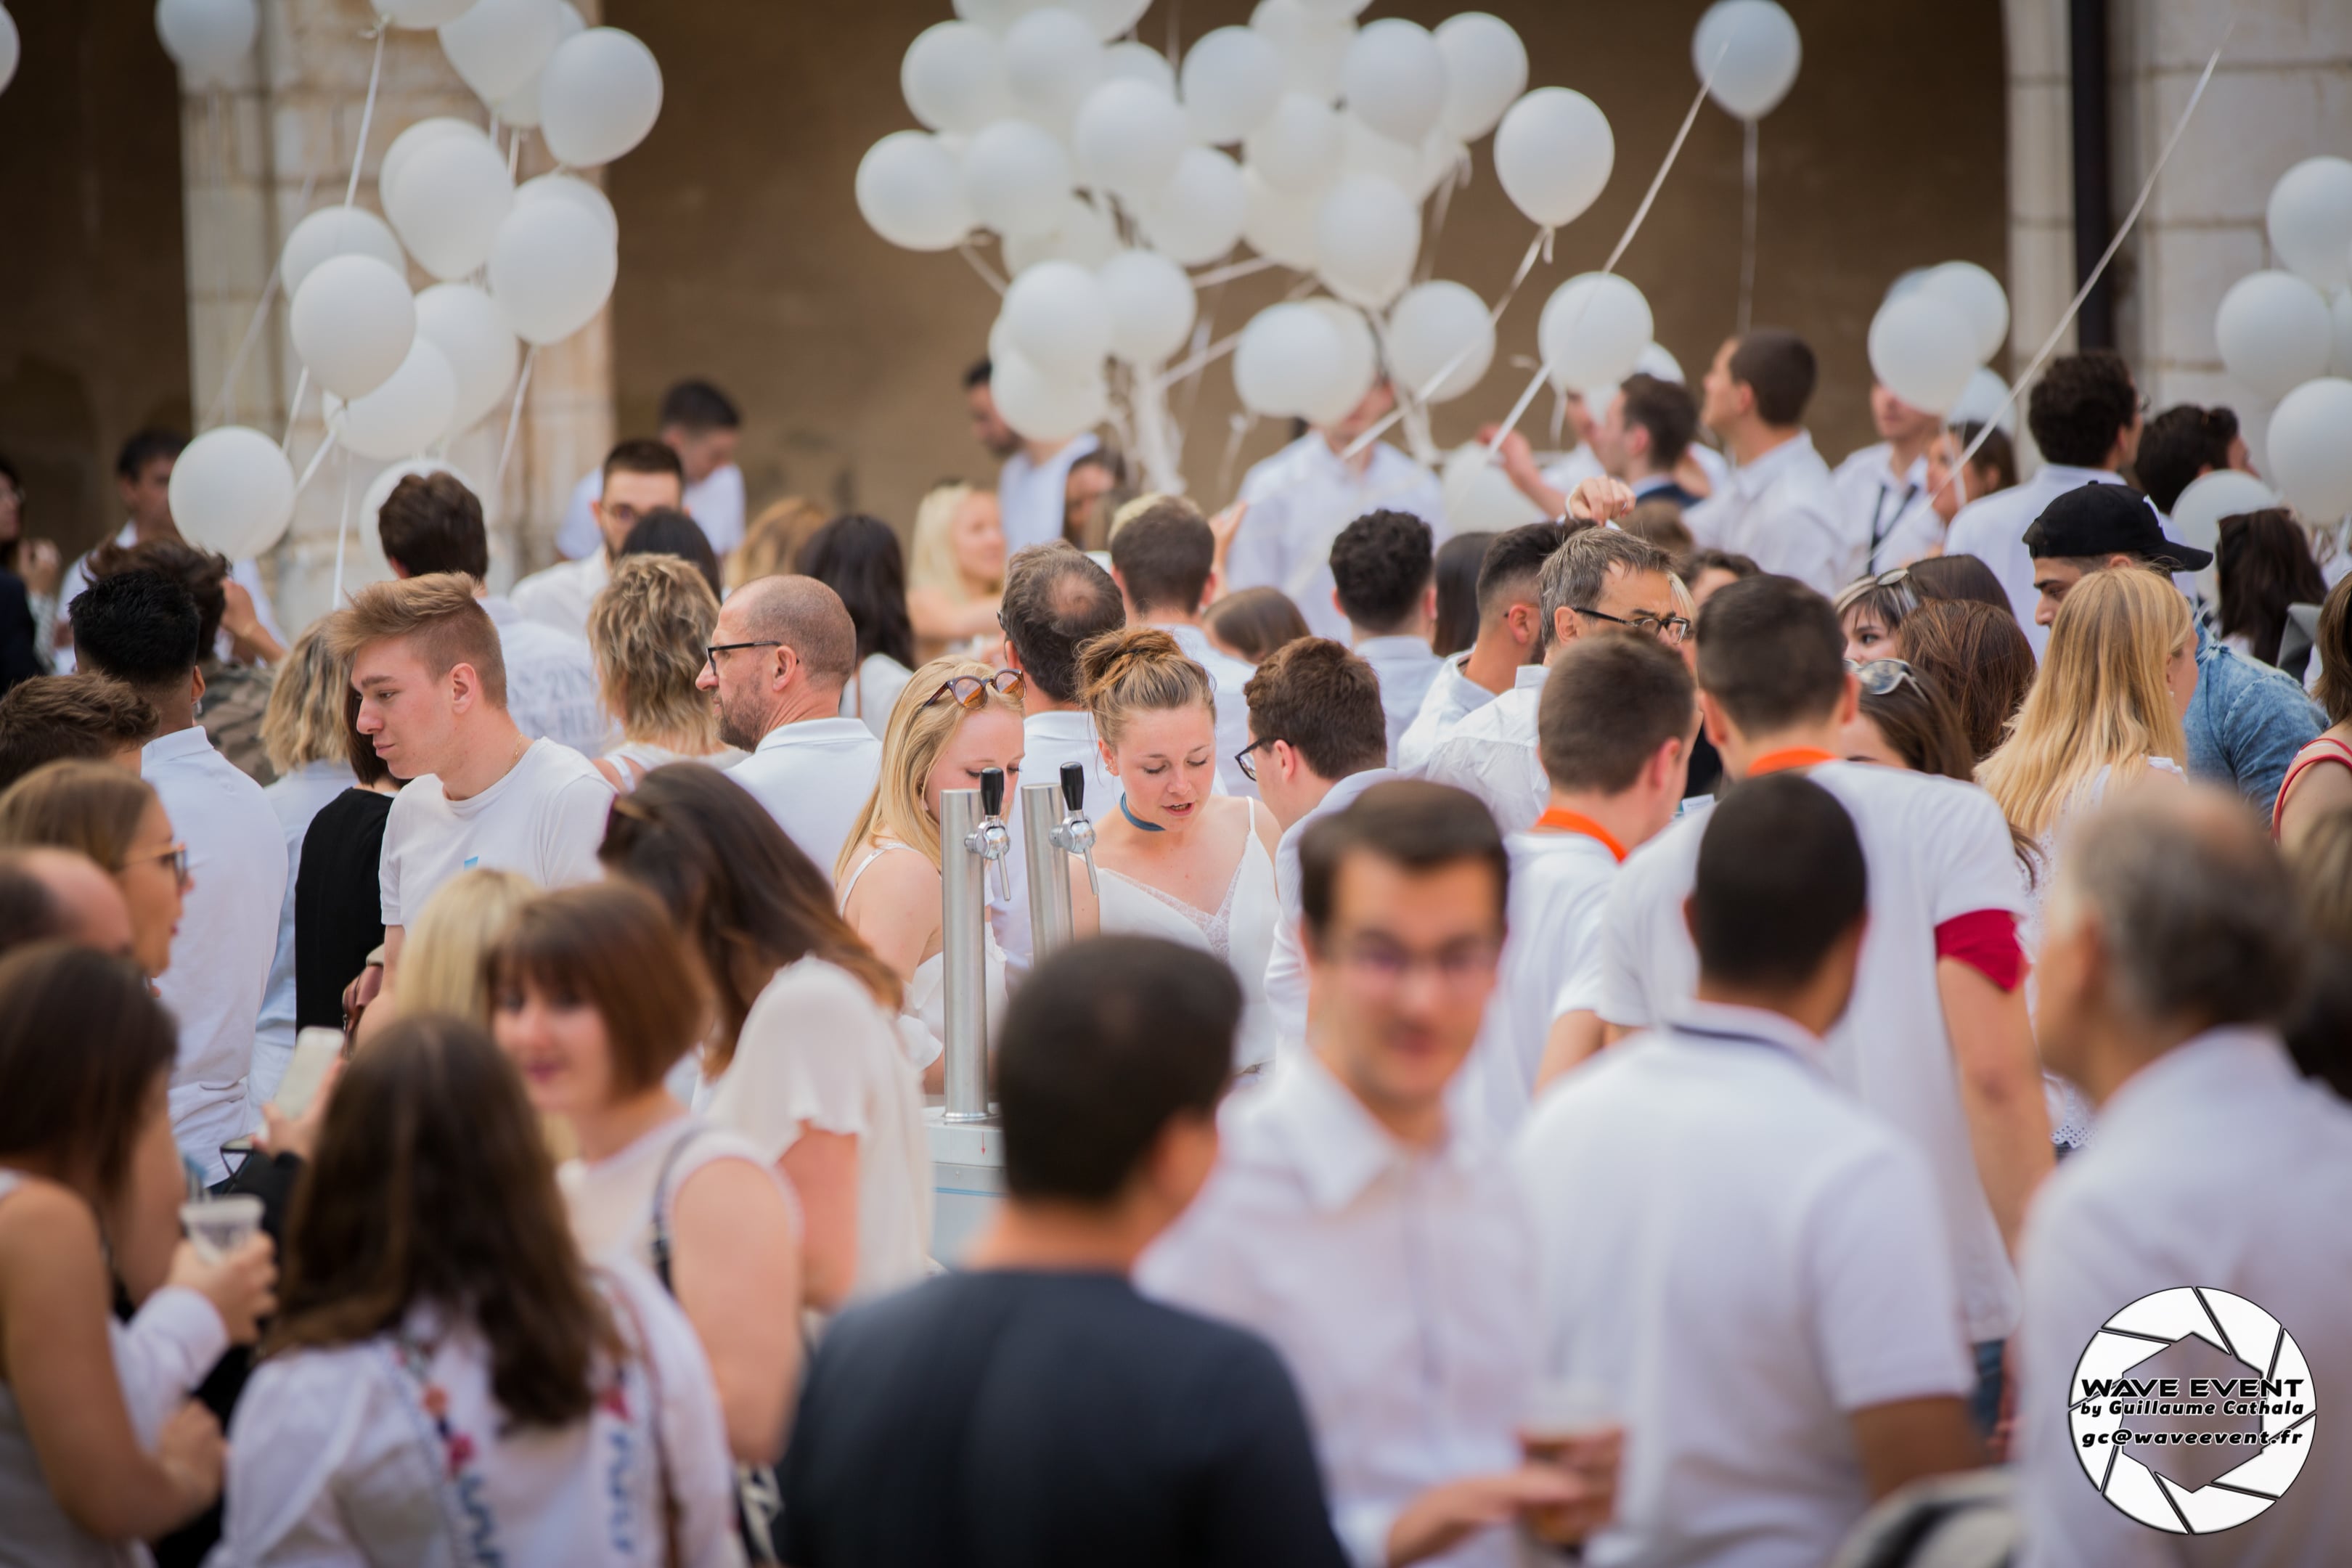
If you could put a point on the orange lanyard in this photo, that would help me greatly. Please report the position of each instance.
(1794, 757)
(1561, 820)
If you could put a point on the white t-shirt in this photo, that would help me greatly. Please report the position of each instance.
(1406, 669)
(1452, 696)
(816, 1049)
(561, 595)
(551, 686)
(1937, 849)
(1741, 1256)
(1493, 753)
(813, 776)
(545, 819)
(611, 1200)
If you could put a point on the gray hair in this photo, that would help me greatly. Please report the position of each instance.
(1574, 574)
(2194, 903)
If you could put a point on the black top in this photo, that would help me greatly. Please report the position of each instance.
(338, 904)
(19, 659)
(1019, 1420)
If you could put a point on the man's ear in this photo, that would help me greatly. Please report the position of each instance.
(787, 665)
(463, 683)
(1212, 590)
(1563, 625)
(1713, 720)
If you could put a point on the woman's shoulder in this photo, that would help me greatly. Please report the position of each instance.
(38, 1215)
(895, 870)
(810, 986)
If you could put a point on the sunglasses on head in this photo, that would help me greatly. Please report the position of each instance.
(1881, 676)
(970, 690)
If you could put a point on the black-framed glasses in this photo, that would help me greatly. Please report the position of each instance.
(712, 652)
(176, 856)
(1666, 628)
(1246, 758)
(970, 690)
(1880, 676)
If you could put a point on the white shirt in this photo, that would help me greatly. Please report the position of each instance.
(1285, 967)
(814, 776)
(246, 574)
(1571, 468)
(545, 819)
(1452, 696)
(562, 595)
(1231, 676)
(1895, 513)
(1034, 498)
(816, 1052)
(1935, 849)
(551, 686)
(1407, 670)
(334, 1457)
(869, 695)
(1993, 531)
(1300, 499)
(1741, 1256)
(610, 1201)
(2217, 1165)
(716, 504)
(1783, 511)
(1493, 753)
(296, 799)
(1397, 1283)
(227, 934)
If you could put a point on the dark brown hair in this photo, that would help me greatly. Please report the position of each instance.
(1324, 701)
(52, 718)
(611, 945)
(199, 572)
(1959, 577)
(1459, 560)
(432, 522)
(1411, 823)
(1770, 650)
(1055, 599)
(2266, 564)
(2333, 648)
(1778, 366)
(737, 886)
(81, 1045)
(1256, 621)
(1607, 704)
(366, 767)
(1978, 658)
(1380, 564)
(1919, 722)
(2081, 405)
(431, 1183)
(1163, 555)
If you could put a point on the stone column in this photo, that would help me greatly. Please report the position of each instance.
(2040, 183)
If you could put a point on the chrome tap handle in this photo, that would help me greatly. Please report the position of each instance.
(1074, 834)
(991, 840)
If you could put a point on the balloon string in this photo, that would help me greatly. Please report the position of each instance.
(219, 405)
(1238, 270)
(294, 409)
(1203, 360)
(342, 533)
(367, 115)
(988, 274)
(317, 457)
(514, 424)
(1747, 229)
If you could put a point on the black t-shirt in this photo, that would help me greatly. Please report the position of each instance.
(1019, 1420)
(338, 904)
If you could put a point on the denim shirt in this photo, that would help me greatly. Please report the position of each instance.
(2246, 722)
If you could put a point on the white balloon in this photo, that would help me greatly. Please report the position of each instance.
(407, 413)
(351, 321)
(1015, 174)
(1298, 146)
(2341, 308)
(421, 13)
(2274, 331)
(1278, 223)
(1437, 325)
(2311, 448)
(1479, 497)
(1059, 319)
(1985, 396)
(1110, 19)
(1129, 135)
(1151, 305)
(1751, 47)
(1657, 361)
(1045, 407)
(1078, 231)
(1485, 71)
(1358, 366)
(551, 270)
(467, 325)
(598, 96)
(336, 231)
(1394, 78)
(451, 197)
(1052, 61)
(1978, 295)
(416, 138)
(2196, 513)
(952, 79)
(2310, 221)
(1923, 350)
(1197, 215)
(1593, 332)
(12, 48)
(1312, 43)
(910, 192)
(1287, 355)
(207, 38)
(1132, 61)
(996, 14)
(581, 194)
(498, 45)
(232, 492)
(1367, 236)
(520, 107)
(1230, 81)
(1553, 154)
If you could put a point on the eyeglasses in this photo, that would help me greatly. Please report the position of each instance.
(1246, 758)
(1881, 676)
(1670, 630)
(714, 650)
(970, 690)
(1384, 965)
(176, 856)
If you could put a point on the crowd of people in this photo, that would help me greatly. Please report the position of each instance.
(1647, 1035)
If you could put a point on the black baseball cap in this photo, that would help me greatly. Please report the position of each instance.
(2109, 520)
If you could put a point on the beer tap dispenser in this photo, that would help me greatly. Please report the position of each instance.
(1047, 837)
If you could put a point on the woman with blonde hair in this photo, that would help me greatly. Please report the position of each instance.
(956, 718)
(441, 962)
(773, 541)
(650, 631)
(116, 819)
(955, 568)
(302, 731)
(1178, 861)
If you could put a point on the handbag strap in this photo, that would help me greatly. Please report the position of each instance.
(615, 1292)
(661, 1247)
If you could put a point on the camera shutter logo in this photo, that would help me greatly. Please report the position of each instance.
(2192, 1410)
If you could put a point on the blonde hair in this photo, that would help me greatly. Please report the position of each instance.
(772, 543)
(1138, 669)
(649, 629)
(443, 959)
(2099, 702)
(919, 731)
(76, 804)
(930, 557)
(438, 613)
(304, 721)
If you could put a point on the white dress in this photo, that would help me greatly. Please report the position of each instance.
(923, 1017)
(1240, 930)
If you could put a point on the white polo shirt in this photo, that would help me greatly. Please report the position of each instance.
(1935, 849)
(545, 819)
(1895, 513)
(1452, 696)
(1492, 753)
(1993, 531)
(1742, 1257)
(814, 776)
(1782, 510)
(1407, 668)
(1033, 499)
(1286, 966)
(1396, 1282)
(551, 686)
(228, 934)
(2221, 1166)
(1300, 499)
(561, 595)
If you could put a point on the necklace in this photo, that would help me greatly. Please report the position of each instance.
(1136, 821)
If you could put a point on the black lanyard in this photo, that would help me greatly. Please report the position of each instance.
(1877, 538)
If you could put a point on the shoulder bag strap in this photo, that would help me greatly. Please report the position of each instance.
(644, 1346)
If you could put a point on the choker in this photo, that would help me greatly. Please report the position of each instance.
(1137, 821)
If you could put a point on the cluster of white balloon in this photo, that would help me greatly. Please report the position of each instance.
(1933, 337)
(512, 264)
(12, 48)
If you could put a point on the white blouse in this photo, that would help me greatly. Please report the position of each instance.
(611, 1200)
(393, 1451)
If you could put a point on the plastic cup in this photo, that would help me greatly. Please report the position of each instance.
(218, 1226)
(1573, 1426)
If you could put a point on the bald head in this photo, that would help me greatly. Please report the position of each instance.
(802, 614)
(48, 894)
